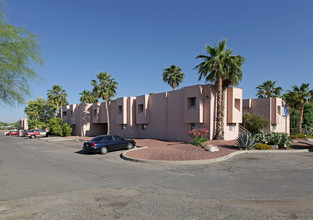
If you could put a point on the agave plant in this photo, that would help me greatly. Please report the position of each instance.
(246, 141)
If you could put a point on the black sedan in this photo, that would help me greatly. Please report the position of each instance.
(104, 143)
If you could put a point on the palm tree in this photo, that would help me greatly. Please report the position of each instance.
(58, 96)
(173, 76)
(224, 69)
(106, 89)
(297, 98)
(88, 97)
(267, 90)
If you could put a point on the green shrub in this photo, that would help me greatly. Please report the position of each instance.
(57, 127)
(260, 146)
(301, 135)
(67, 130)
(282, 140)
(246, 141)
(254, 123)
(198, 136)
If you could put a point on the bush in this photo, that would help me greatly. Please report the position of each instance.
(245, 141)
(67, 130)
(282, 140)
(260, 146)
(254, 123)
(198, 136)
(57, 127)
(301, 135)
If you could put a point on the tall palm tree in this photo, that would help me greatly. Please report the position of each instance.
(58, 96)
(173, 76)
(297, 98)
(268, 89)
(106, 89)
(224, 69)
(88, 97)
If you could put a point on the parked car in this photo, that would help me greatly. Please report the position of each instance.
(12, 132)
(36, 133)
(104, 143)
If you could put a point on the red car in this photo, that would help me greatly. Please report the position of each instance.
(14, 132)
(36, 133)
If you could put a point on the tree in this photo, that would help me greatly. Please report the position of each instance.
(268, 89)
(39, 112)
(106, 89)
(297, 98)
(57, 96)
(19, 49)
(173, 76)
(88, 97)
(224, 69)
(57, 127)
(255, 123)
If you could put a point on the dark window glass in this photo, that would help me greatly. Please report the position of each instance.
(117, 138)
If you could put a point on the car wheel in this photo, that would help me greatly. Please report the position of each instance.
(104, 150)
(130, 146)
(10, 134)
(32, 136)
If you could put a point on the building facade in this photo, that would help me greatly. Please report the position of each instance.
(165, 116)
(272, 109)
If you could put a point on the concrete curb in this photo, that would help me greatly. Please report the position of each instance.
(207, 161)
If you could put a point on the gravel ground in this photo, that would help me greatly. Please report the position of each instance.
(175, 151)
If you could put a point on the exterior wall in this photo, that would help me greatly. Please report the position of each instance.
(167, 116)
(272, 109)
(233, 112)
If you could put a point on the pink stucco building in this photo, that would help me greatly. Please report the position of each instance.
(166, 116)
(273, 109)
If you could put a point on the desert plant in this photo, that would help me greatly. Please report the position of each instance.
(254, 123)
(246, 141)
(282, 140)
(261, 137)
(198, 136)
(260, 146)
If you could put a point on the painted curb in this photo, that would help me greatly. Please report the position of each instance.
(207, 161)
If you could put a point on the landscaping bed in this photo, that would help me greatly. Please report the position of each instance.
(175, 151)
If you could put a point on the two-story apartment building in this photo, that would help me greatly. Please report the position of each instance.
(166, 116)
(273, 109)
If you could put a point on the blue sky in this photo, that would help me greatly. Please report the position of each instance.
(135, 40)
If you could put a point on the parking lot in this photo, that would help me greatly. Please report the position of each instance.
(56, 180)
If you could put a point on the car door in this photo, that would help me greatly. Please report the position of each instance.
(120, 143)
(110, 143)
(37, 132)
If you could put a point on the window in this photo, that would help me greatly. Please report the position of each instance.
(123, 127)
(285, 111)
(109, 138)
(279, 110)
(195, 126)
(120, 109)
(117, 138)
(64, 113)
(95, 112)
(140, 108)
(191, 102)
(237, 104)
(232, 127)
(144, 127)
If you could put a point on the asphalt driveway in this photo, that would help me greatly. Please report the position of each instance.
(55, 180)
